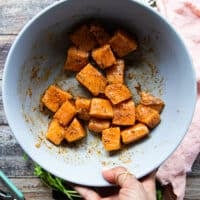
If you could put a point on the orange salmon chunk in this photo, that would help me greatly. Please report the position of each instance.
(54, 97)
(92, 79)
(83, 38)
(65, 113)
(134, 133)
(75, 131)
(111, 139)
(122, 43)
(153, 102)
(117, 93)
(147, 115)
(124, 113)
(104, 56)
(98, 125)
(101, 108)
(55, 132)
(76, 59)
(115, 74)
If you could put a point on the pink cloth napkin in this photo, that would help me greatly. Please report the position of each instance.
(184, 15)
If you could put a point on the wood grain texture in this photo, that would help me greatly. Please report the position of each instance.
(12, 160)
(16, 166)
(8, 144)
(13, 16)
(5, 44)
(32, 188)
(3, 120)
(196, 168)
(193, 188)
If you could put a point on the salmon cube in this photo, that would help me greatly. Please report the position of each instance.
(147, 115)
(83, 38)
(54, 97)
(101, 108)
(83, 108)
(92, 79)
(98, 125)
(65, 113)
(76, 59)
(55, 132)
(155, 103)
(111, 138)
(134, 133)
(122, 43)
(75, 131)
(124, 113)
(101, 36)
(117, 93)
(115, 74)
(104, 56)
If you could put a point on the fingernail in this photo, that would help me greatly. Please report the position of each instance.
(105, 169)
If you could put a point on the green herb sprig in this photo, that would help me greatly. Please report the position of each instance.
(159, 191)
(55, 182)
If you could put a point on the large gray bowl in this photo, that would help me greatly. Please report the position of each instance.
(161, 66)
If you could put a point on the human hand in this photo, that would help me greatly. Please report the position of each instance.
(130, 187)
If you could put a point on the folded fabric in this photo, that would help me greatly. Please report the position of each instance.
(184, 15)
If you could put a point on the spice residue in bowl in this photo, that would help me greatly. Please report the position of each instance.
(98, 59)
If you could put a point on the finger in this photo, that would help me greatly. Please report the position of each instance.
(120, 176)
(87, 193)
(113, 197)
(149, 184)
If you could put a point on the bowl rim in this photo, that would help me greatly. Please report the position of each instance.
(6, 105)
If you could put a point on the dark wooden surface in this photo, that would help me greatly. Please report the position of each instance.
(13, 16)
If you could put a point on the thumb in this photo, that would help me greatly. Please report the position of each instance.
(120, 176)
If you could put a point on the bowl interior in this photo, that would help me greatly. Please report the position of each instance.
(160, 66)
